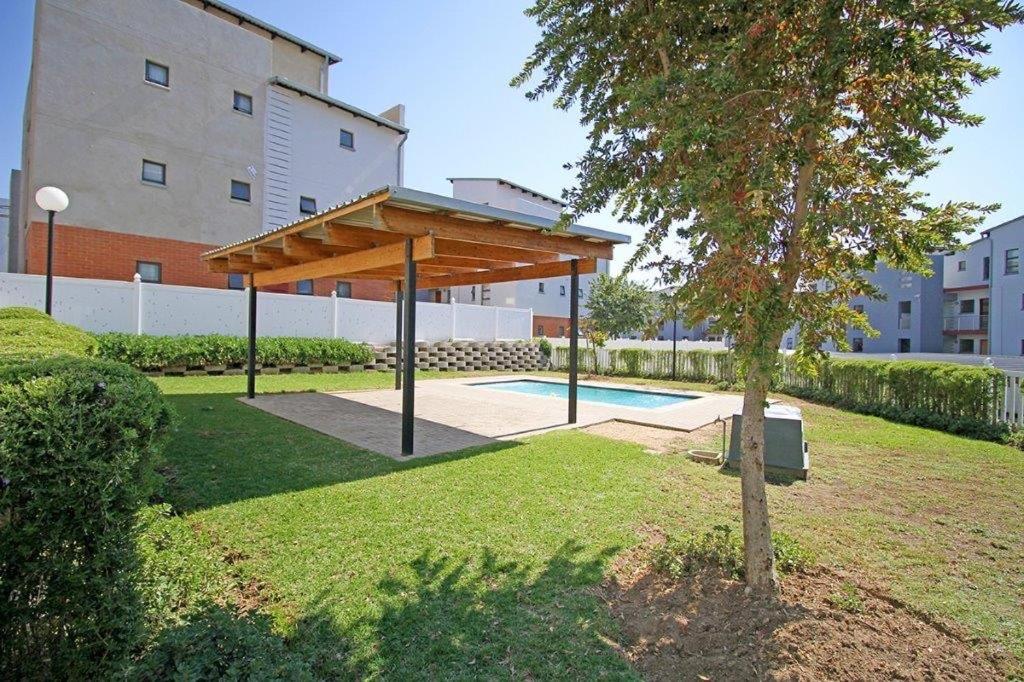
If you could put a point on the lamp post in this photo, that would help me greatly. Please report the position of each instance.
(52, 200)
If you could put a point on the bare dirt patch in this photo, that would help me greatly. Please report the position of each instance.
(825, 626)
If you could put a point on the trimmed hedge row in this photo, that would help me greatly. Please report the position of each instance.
(76, 438)
(157, 352)
(28, 334)
(962, 399)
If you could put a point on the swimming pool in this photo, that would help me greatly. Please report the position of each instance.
(593, 394)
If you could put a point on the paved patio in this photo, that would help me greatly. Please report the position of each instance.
(454, 414)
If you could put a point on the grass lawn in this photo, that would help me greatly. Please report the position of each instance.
(482, 564)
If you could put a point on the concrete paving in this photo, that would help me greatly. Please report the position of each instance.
(455, 414)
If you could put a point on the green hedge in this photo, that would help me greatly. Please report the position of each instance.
(28, 334)
(957, 398)
(157, 352)
(76, 437)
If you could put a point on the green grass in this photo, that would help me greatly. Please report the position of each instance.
(482, 564)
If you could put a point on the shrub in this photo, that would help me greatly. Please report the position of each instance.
(545, 346)
(722, 548)
(27, 334)
(157, 352)
(76, 436)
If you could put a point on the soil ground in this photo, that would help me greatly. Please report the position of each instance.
(825, 626)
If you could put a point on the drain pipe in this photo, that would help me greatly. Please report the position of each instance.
(399, 164)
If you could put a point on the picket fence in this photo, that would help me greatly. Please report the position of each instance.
(169, 310)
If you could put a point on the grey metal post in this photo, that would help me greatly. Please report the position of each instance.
(398, 335)
(574, 334)
(251, 368)
(408, 390)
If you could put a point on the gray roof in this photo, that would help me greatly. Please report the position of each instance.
(272, 30)
(425, 200)
(331, 102)
(515, 185)
(1002, 224)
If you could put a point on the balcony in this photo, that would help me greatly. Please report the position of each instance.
(963, 324)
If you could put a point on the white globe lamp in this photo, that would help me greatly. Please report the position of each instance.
(52, 200)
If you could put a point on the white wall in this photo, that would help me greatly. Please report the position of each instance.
(166, 310)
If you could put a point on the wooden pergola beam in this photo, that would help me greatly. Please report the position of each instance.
(369, 259)
(536, 271)
(275, 258)
(240, 262)
(303, 248)
(359, 237)
(492, 252)
(415, 223)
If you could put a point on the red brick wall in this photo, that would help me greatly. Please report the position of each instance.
(550, 325)
(100, 254)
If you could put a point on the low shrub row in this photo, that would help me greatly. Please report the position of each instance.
(76, 438)
(157, 352)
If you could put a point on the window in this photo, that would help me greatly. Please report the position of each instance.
(540, 332)
(857, 344)
(243, 103)
(472, 293)
(347, 139)
(966, 345)
(561, 330)
(158, 74)
(154, 172)
(967, 306)
(236, 281)
(149, 272)
(241, 191)
(540, 287)
(579, 293)
(961, 266)
(904, 315)
(904, 346)
(561, 290)
(858, 308)
(986, 267)
(1022, 346)
(1012, 266)
(307, 205)
(343, 289)
(304, 287)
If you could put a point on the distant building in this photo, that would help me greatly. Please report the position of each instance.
(549, 298)
(984, 293)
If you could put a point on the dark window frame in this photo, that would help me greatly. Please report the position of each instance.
(341, 139)
(1014, 259)
(986, 268)
(337, 289)
(903, 345)
(159, 271)
(561, 290)
(246, 97)
(241, 281)
(162, 182)
(540, 288)
(167, 74)
(961, 266)
(248, 191)
(303, 211)
(299, 284)
(857, 344)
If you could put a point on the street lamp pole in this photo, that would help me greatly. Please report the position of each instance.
(52, 200)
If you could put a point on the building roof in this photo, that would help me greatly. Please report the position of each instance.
(437, 203)
(521, 188)
(985, 232)
(272, 30)
(338, 104)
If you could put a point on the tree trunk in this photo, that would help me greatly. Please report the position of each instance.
(757, 534)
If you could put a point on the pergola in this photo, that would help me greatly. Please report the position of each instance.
(417, 241)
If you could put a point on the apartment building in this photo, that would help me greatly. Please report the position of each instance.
(179, 125)
(984, 293)
(549, 298)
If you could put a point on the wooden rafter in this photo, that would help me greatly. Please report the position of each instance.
(368, 259)
(536, 271)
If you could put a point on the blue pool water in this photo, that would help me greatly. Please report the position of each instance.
(593, 394)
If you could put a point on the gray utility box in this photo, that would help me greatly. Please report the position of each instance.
(785, 450)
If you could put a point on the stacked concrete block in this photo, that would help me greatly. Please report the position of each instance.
(469, 356)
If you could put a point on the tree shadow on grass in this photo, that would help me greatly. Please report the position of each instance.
(489, 618)
(223, 451)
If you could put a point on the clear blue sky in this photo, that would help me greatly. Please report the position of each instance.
(449, 62)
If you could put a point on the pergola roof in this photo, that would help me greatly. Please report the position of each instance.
(453, 242)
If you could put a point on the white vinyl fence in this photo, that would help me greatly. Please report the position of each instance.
(168, 310)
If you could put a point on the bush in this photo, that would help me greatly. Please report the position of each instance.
(722, 549)
(27, 334)
(76, 436)
(545, 346)
(157, 352)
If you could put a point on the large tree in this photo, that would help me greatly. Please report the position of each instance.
(780, 141)
(616, 306)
